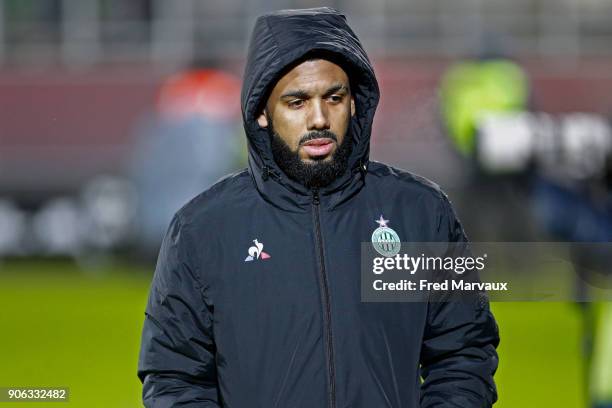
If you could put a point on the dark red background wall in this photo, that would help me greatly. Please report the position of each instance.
(59, 128)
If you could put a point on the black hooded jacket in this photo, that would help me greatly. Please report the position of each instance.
(255, 302)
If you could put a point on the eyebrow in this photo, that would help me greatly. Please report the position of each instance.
(336, 88)
(302, 94)
(297, 93)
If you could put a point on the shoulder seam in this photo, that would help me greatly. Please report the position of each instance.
(218, 184)
(408, 177)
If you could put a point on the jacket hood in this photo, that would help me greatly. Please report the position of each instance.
(279, 40)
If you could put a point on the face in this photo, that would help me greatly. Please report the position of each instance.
(307, 115)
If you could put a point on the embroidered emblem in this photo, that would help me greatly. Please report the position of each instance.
(384, 240)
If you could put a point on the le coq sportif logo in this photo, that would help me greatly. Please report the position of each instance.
(256, 252)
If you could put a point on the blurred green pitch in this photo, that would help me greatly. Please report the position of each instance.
(61, 327)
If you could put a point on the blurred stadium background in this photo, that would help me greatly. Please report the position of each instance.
(114, 113)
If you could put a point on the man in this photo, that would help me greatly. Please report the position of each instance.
(256, 296)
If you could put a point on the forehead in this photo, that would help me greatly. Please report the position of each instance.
(310, 75)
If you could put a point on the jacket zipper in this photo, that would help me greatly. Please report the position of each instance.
(325, 299)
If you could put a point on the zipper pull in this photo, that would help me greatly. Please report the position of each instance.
(315, 196)
(266, 173)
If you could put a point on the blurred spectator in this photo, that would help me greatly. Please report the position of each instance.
(470, 91)
(473, 89)
(190, 141)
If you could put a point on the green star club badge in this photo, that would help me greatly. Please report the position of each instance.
(384, 240)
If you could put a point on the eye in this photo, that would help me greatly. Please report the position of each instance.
(296, 103)
(336, 98)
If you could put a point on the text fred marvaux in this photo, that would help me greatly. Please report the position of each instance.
(433, 264)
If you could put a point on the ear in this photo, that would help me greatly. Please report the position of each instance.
(352, 106)
(263, 120)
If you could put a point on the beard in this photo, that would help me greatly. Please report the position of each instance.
(319, 173)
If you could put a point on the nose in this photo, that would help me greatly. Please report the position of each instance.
(318, 118)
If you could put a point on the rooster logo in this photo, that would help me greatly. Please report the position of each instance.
(256, 252)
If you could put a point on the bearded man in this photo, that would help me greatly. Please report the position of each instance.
(256, 300)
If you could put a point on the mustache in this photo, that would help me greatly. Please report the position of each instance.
(318, 134)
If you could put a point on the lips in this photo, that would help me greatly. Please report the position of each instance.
(318, 147)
